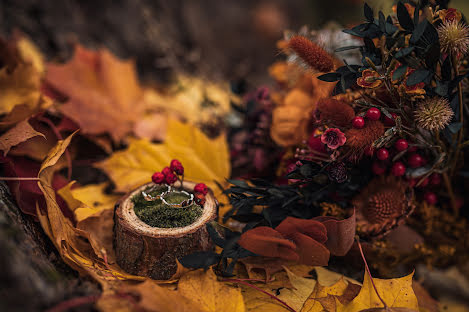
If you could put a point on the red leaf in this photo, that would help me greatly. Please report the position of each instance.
(340, 234)
(312, 228)
(311, 252)
(267, 242)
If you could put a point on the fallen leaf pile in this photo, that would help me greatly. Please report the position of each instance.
(77, 136)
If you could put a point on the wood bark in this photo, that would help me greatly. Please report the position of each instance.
(149, 251)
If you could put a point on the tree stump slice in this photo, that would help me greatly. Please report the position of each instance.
(150, 251)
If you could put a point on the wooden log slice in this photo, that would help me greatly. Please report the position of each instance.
(149, 251)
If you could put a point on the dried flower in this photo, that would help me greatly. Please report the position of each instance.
(311, 54)
(369, 79)
(337, 113)
(358, 140)
(382, 204)
(449, 15)
(333, 138)
(337, 172)
(433, 113)
(454, 37)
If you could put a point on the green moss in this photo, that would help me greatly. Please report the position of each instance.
(157, 214)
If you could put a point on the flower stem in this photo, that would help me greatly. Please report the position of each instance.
(461, 116)
(369, 273)
(449, 188)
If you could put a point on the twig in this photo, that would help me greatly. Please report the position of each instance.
(449, 188)
(461, 116)
(261, 290)
(369, 273)
(18, 179)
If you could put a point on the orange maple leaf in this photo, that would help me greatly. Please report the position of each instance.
(104, 94)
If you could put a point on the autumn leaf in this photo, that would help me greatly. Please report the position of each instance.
(396, 292)
(205, 160)
(87, 200)
(191, 98)
(73, 243)
(312, 304)
(340, 233)
(104, 94)
(203, 289)
(302, 288)
(20, 133)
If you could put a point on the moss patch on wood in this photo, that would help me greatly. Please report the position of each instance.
(157, 214)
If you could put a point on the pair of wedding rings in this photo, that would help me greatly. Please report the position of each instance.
(184, 204)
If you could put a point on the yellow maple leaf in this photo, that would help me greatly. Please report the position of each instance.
(208, 294)
(396, 292)
(20, 79)
(71, 242)
(204, 160)
(190, 98)
(303, 287)
(87, 200)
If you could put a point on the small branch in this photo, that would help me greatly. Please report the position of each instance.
(18, 179)
(449, 188)
(261, 290)
(461, 116)
(369, 273)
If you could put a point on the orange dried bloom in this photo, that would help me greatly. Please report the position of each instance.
(360, 139)
(311, 54)
(450, 15)
(382, 204)
(369, 79)
(337, 113)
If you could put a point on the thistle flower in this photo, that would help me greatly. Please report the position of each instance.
(382, 205)
(454, 37)
(433, 114)
(310, 54)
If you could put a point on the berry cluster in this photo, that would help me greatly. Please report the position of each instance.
(200, 191)
(174, 172)
(399, 167)
(170, 174)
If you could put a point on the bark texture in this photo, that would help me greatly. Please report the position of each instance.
(148, 251)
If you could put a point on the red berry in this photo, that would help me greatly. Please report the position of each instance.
(415, 161)
(382, 154)
(401, 145)
(157, 178)
(200, 199)
(373, 114)
(435, 179)
(170, 178)
(369, 151)
(201, 188)
(390, 121)
(177, 167)
(378, 168)
(430, 198)
(166, 171)
(315, 144)
(358, 122)
(398, 169)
